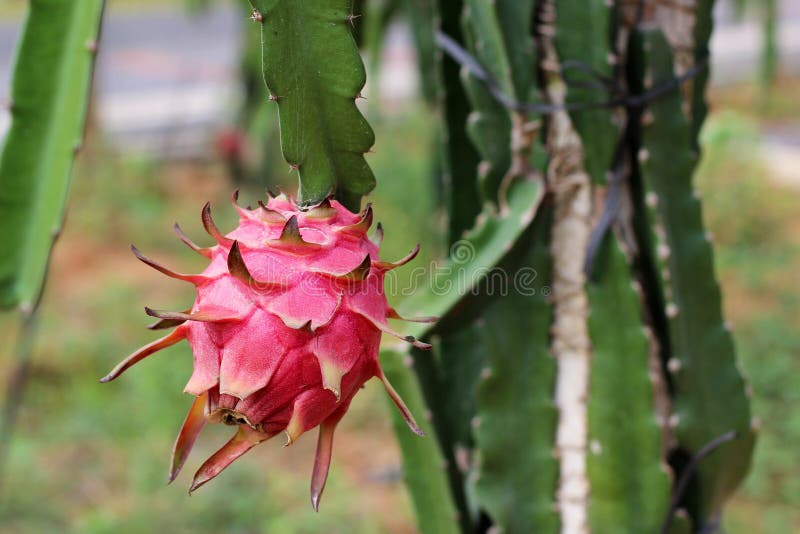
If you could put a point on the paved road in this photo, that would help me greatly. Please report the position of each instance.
(166, 80)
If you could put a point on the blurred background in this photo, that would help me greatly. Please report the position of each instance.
(179, 117)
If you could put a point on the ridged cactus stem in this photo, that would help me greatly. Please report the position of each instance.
(570, 344)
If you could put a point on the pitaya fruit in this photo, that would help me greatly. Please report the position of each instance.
(285, 329)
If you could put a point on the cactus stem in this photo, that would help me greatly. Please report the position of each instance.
(571, 231)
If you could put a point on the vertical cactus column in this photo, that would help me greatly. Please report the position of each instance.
(709, 392)
(50, 88)
(49, 93)
(595, 394)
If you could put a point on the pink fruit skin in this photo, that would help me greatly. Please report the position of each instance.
(285, 329)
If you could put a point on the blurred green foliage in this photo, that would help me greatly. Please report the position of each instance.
(755, 224)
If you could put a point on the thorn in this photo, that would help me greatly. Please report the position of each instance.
(360, 273)
(351, 19)
(191, 278)
(192, 425)
(91, 46)
(360, 96)
(398, 402)
(392, 314)
(163, 324)
(256, 16)
(189, 243)
(291, 230)
(386, 266)
(290, 237)
(244, 440)
(322, 462)
(274, 97)
(211, 227)
(151, 348)
(200, 316)
(377, 238)
(362, 225)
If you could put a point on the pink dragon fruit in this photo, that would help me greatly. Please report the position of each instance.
(285, 329)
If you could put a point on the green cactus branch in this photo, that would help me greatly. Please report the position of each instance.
(423, 464)
(630, 486)
(462, 197)
(517, 473)
(314, 72)
(49, 92)
(710, 393)
(703, 25)
(592, 47)
(481, 249)
(498, 34)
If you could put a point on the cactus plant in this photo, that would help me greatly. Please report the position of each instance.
(581, 378)
(596, 436)
(48, 104)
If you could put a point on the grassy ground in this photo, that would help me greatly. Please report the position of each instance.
(757, 229)
(92, 458)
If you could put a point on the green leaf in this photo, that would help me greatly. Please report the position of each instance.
(473, 257)
(709, 390)
(314, 71)
(423, 464)
(630, 488)
(51, 81)
(517, 472)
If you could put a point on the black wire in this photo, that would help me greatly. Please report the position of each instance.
(466, 60)
(613, 199)
(686, 476)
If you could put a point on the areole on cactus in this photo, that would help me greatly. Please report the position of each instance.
(285, 329)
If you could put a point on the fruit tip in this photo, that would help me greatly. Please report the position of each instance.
(315, 501)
